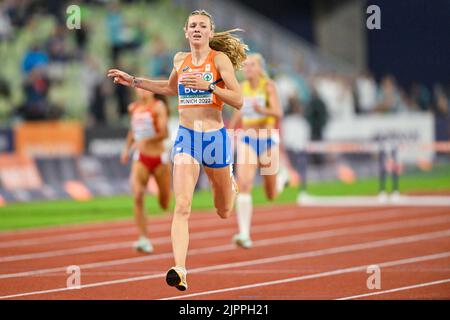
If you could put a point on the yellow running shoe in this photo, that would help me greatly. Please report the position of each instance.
(176, 277)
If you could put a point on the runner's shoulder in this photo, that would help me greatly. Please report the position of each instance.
(179, 58)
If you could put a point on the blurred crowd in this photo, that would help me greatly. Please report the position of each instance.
(315, 98)
(43, 62)
(320, 98)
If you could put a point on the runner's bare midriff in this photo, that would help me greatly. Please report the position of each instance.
(201, 119)
(150, 148)
(262, 130)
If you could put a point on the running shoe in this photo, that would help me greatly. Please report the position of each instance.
(243, 242)
(143, 245)
(282, 179)
(176, 277)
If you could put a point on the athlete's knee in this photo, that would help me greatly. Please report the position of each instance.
(225, 212)
(245, 186)
(138, 193)
(183, 206)
(164, 200)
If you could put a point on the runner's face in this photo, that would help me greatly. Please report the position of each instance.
(251, 68)
(198, 30)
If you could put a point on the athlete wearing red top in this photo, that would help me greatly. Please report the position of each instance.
(146, 137)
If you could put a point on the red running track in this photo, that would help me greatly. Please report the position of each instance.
(298, 253)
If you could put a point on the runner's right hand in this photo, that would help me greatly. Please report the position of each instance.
(124, 157)
(120, 77)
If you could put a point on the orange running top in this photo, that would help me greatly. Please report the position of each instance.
(188, 97)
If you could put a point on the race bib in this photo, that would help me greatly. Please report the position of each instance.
(248, 110)
(189, 96)
(143, 126)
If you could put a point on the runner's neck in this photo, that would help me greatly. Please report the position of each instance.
(199, 56)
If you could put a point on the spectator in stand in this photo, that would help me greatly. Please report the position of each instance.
(160, 64)
(421, 96)
(389, 99)
(81, 38)
(441, 111)
(347, 98)
(97, 102)
(337, 95)
(34, 57)
(317, 116)
(5, 89)
(6, 28)
(96, 88)
(366, 93)
(295, 136)
(292, 81)
(296, 131)
(122, 94)
(56, 46)
(121, 36)
(408, 104)
(18, 11)
(36, 105)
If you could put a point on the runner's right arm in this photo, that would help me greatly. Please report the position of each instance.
(164, 87)
(124, 157)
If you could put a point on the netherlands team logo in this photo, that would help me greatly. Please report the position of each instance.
(207, 77)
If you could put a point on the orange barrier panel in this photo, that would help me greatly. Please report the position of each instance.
(18, 172)
(50, 138)
(346, 174)
(77, 190)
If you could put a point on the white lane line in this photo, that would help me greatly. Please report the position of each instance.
(163, 226)
(206, 220)
(97, 226)
(78, 227)
(415, 286)
(211, 234)
(128, 222)
(358, 217)
(300, 255)
(375, 201)
(83, 235)
(315, 276)
(68, 237)
(259, 243)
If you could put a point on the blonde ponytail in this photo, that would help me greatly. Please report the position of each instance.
(231, 45)
(226, 42)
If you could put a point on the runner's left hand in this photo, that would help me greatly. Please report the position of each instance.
(258, 108)
(195, 82)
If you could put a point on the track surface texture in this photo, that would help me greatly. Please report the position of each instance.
(298, 253)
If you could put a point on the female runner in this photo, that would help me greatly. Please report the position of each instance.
(258, 144)
(204, 79)
(149, 115)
